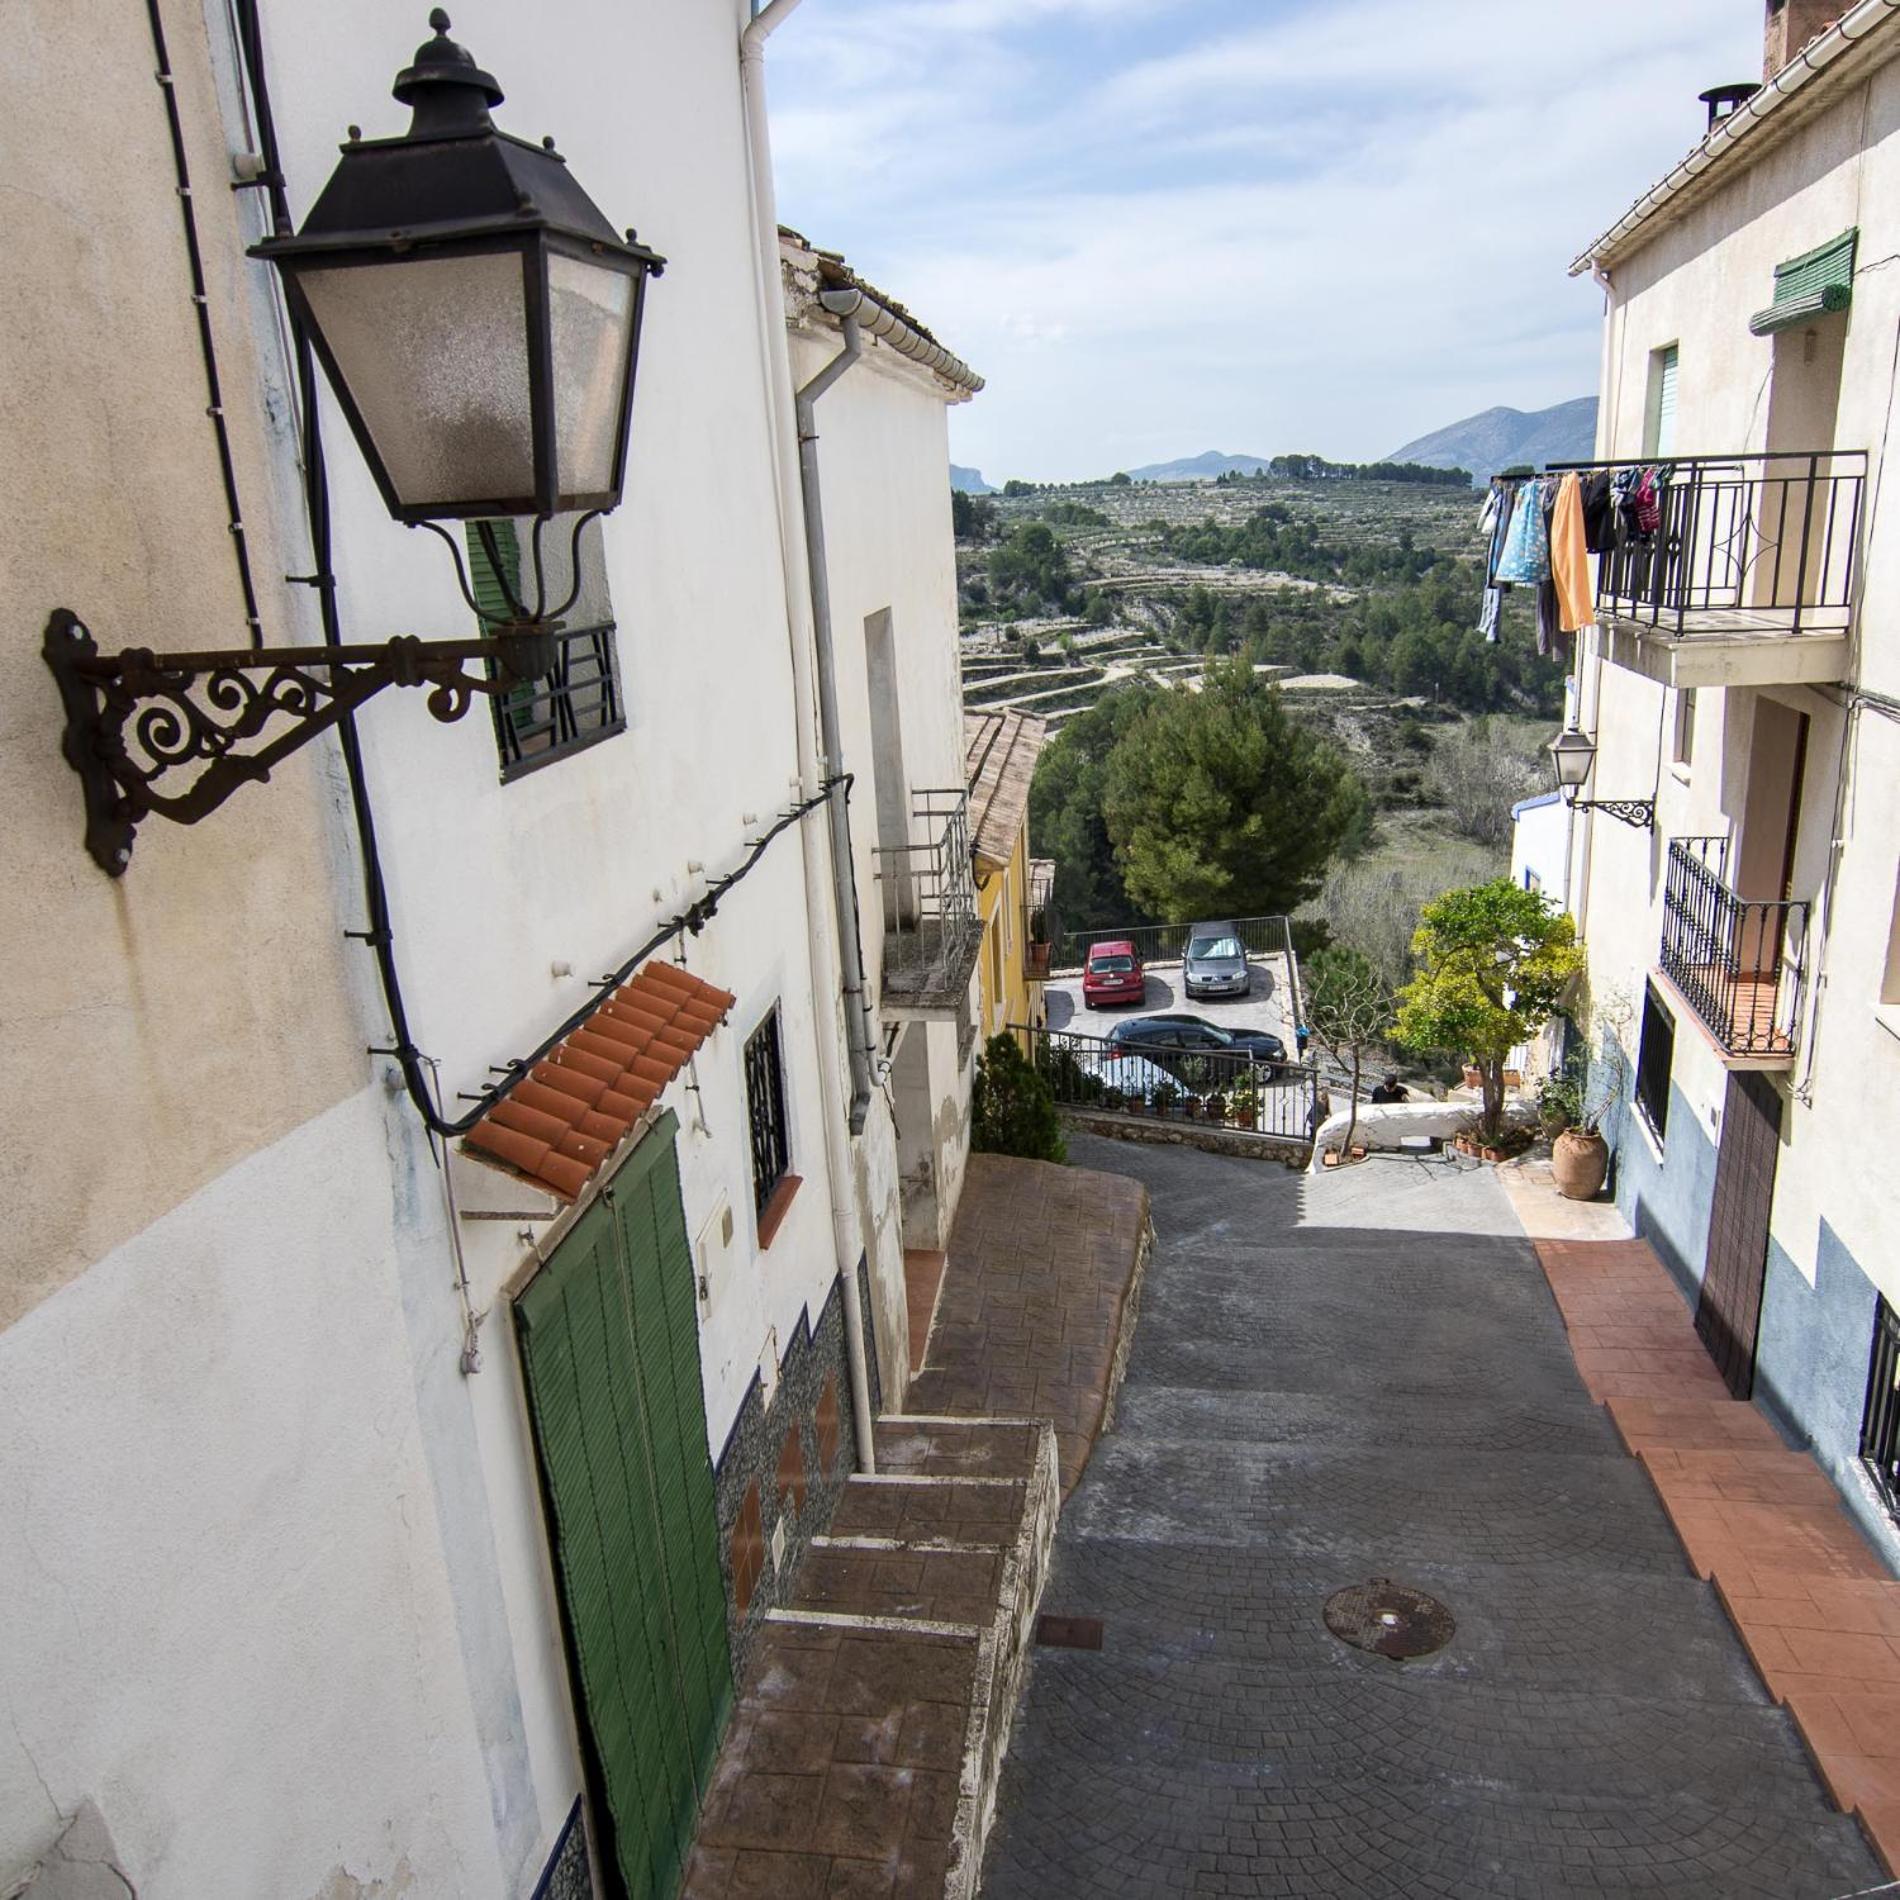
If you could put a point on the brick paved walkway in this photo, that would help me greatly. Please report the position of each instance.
(1043, 1268)
(1817, 1611)
(1364, 1375)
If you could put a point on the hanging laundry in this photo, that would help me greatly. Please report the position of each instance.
(1599, 512)
(1570, 557)
(1526, 557)
(1496, 521)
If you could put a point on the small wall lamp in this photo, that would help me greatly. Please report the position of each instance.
(479, 321)
(1574, 753)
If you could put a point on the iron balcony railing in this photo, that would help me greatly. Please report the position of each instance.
(1230, 1091)
(1041, 927)
(927, 900)
(575, 705)
(1164, 943)
(1737, 960)
(1757, 543)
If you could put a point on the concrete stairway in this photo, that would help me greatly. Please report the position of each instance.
(864, 1754)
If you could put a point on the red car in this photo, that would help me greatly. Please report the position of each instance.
(1113, 974)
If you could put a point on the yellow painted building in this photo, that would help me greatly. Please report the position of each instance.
(1000, 751)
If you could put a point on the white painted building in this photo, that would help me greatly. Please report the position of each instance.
(281, 1532)
(1745, 950)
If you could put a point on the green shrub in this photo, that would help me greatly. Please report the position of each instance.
(1013, 1109)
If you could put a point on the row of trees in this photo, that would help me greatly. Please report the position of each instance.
(1316, 468)
(1167, 804)
(1276, 538)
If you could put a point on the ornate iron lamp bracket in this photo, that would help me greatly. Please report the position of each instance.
(1640, 812)
(138, 721)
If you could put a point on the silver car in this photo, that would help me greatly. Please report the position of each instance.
(1215, 962)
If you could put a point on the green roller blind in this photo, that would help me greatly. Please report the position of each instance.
(1812, 285)
(611, 1351)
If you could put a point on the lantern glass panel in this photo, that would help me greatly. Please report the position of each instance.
(592, 317)
(434, 354)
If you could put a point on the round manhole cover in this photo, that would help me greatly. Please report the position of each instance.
(1388, 1619)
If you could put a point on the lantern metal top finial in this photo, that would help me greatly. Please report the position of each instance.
(447, 91)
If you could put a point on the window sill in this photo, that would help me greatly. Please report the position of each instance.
(778, 1204)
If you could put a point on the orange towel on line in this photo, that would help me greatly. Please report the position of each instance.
(1570, 558)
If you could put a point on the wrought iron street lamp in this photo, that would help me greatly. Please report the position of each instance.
(479, 320)
(1574, 753)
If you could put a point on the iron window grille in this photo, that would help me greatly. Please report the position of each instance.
(1880, 1422)
(1655, 1057)
(578, 703)
(765, 1103)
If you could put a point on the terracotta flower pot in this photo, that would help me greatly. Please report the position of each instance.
(1578, 1163)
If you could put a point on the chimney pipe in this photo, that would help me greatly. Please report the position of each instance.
(1723, 100)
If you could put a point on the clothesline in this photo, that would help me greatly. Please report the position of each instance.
(1542, 529)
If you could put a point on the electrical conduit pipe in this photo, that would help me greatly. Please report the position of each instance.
(851, 1236)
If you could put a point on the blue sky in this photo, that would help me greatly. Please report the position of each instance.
(1162, 226)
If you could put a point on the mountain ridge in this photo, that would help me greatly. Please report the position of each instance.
(1501, 438)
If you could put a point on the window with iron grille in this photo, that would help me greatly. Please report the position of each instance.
(1880, 1422)
(765, 1102)
(578, 704)
(1655, 1058)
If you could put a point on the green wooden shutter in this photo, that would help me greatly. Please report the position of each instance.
(1666, 402)
(1815, 284)
(481, 570)
(610, 1345)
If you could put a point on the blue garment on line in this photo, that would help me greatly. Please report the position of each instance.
(1526, 557)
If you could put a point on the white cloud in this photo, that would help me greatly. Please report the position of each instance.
(1157, 228)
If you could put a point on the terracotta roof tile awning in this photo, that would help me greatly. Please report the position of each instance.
(561, 1121)
(1000, 750)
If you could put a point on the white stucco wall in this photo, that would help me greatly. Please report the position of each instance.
(1696, 284)
(280, 1597)
(1540, 838)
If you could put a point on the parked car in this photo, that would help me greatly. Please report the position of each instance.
(1112, 973)
(1195, 1048)
(1215, 962)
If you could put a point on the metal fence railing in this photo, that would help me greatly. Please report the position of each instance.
(1164, 943)
(1760, 541)
(1737, 960)
(927, 903)
(1214, 1088)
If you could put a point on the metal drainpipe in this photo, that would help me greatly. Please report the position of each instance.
(852, 1233)
(859, 1032)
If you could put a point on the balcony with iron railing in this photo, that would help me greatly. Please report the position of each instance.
(1751, 575)
(927, 905)
(1738, 962)
(1041, 926)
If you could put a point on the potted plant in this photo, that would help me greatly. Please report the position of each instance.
(1244, 1103)
(1579, 1156)
(1579, 1161)
(1215, 1107)
(1164, 1098)
(1114, 1100)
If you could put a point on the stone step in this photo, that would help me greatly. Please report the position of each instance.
(869, 1737)
(1854, 1736)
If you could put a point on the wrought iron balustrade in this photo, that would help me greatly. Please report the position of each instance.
(1745, 544)
(1041, 926)
(1213, 1087)
(576, 704)
(1737, 960)
(927, 902)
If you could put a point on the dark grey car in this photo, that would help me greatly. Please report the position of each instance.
(1215, 962)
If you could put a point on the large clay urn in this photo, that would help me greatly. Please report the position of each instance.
(1578, 1163)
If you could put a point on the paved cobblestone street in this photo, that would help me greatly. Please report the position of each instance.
(1364, 1375)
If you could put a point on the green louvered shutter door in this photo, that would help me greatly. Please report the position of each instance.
(653, 1223)
(634, 1520)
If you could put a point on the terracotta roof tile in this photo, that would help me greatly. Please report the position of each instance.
(561, 1123)
(1000, 750)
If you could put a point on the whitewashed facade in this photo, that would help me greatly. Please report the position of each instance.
(280, 1595)
(1745, 952)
